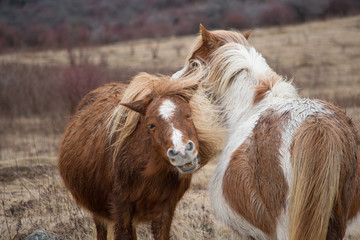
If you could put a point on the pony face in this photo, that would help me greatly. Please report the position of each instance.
(206, 44)
(169, 123)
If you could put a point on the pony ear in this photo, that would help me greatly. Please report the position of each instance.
(207, 37)
(247, 34)
(139, 106)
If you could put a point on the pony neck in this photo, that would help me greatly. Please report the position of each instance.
(237, 101)
(243, 84)
(240, 103)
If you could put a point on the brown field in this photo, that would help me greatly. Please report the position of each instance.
(322, 57)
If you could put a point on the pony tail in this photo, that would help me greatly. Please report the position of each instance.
(316, 159)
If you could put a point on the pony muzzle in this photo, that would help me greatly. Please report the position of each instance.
(184, 157)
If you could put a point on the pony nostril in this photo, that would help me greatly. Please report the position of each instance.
(190, 146)
(172, 153)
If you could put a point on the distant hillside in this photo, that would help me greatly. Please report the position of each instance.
(66, 23)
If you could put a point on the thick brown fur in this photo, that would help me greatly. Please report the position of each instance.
(147, 187)
(325, 192)
(132, 182)
(85, 147)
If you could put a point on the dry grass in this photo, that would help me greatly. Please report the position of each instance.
(324, 58)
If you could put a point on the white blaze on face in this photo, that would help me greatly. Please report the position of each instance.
(167, 109)
(176, 138)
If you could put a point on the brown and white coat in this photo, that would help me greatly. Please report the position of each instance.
(290, 168)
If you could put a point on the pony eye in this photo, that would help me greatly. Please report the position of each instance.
(194, 65)
(188, 116)
(151, 126)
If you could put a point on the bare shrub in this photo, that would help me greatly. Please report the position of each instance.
(235, 19)
(26, 90)
(29, 90)
(276, 14)
(76, 81)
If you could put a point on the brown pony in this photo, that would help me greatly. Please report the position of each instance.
(290, 168)
(132, 162)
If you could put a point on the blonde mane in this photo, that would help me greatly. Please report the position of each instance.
(123, 121)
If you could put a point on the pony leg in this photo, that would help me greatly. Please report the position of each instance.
(101, 229)
(122, 215)
(126, 232)
(123, 228)
(160, 227)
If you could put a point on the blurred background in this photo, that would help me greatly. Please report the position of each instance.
(53, 52)
(53, 24)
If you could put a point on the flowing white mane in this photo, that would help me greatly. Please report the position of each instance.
(237, 65)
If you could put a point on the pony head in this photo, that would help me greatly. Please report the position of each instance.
(207, 43)
(230, 63)
(168, 121)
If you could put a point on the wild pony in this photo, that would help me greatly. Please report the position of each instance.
(129, 152)
(290, 167)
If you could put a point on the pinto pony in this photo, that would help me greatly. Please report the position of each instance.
(129, 152)
(290, 168)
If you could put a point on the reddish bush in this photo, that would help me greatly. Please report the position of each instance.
(72, 36)
(189, 24)
(339, 7)
(110, 21)
(76, 81)
(27, 90)
(277, 15)
(10, 36)
(235, 20)
(35, 35)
